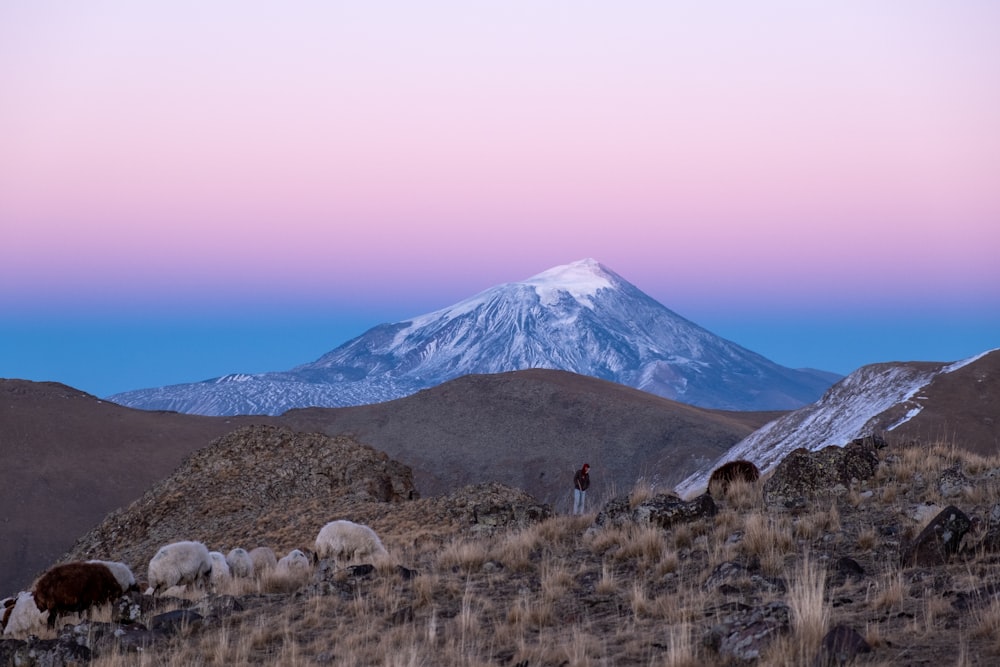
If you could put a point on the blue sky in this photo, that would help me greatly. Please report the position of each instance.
(189, 189)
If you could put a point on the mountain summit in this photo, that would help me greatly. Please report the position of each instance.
(581, 317)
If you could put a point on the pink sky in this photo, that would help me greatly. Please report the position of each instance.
(765, 155)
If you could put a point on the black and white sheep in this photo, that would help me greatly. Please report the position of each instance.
(121, 572)
(179, 564)
(264, 559)
(240, 563)
(346, 541)
(74, 587)
(21, 616)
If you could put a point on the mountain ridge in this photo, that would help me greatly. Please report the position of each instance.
(581, 317)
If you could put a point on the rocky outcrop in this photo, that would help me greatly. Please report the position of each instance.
(662, 510)
(741, 632)
(939, 540)
(247, 487)
(803, 476)
(731, 578)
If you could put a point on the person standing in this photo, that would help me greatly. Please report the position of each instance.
(581, 482)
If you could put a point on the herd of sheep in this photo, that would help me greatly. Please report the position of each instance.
(77, 587)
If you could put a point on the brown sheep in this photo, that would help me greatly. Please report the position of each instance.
(74, 587)
(728, 473)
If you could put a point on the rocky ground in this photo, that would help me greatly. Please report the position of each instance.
(867, 554)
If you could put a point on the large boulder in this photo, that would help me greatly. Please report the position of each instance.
(494, 507)
(803, 475)
(939, 540)
(663, 510)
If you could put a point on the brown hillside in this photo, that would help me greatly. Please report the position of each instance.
(960, 407)
(70, 458)
(532, 429)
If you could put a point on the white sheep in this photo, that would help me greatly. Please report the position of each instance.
(179, 564)
(240, 563)
(220, 568)
(264, 559)
(22, 617)
(121, 572)
(346, 541)
(295, 563)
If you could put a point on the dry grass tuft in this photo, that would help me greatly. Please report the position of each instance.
(768, 539)
(743, 495)
(810, 614)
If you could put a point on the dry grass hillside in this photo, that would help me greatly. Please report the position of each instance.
(491, 578)
(69, 458)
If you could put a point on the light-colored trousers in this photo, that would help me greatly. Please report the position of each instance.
(579, 497)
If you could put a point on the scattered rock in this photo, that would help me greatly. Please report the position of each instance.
(134, 638)
(846, 569)
(990, 540)
(171, 622)
(492, 567)
(873, 442)
(405, 572)
(840, 647)
(62, 652)
(494, 507)
(663, 510)
(364, 570)
(222, 605)
(952, 482)
(746, 632)
(924, 512)
(976, 599)
(731, 577)
(939, 541)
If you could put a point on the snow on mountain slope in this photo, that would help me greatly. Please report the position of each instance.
(580, 317)
(855, 407)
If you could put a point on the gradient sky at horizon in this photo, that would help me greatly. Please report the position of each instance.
(189, 189)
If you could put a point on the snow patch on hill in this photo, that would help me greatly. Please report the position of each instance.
(845, 412)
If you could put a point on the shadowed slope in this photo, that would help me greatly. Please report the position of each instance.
(532, 429)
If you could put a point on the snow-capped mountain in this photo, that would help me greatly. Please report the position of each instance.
(581, 317)
(875, 399)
